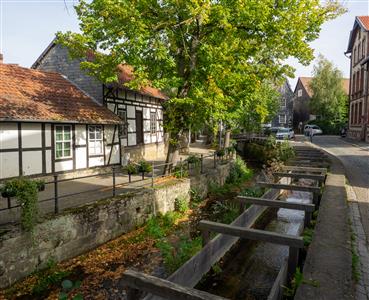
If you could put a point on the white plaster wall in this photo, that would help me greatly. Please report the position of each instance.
(48, 161)
(139, 108)
(63, 165)
(160, 138)
(146, 125)
(131, 125)
(31, 135)
(80, 132)
(131, 139)
(114, 159)
(146, 113)
(131, 111)
(8, 135)
(147, 138)
(111, 106)
(9, 165)
(146, 99)
(123, 142)
(32, 162)
(96, 161)
(81, 157)
(47, 135)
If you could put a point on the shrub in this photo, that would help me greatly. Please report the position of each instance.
(193, 159)
(220, 153)
(253, 192)
(239, 172)
(130, 168)
(144, 166)
(181, 204)
(180, 171)
(224, 212)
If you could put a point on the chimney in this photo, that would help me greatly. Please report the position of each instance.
(1, 58)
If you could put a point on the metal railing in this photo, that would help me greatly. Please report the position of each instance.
(183, 168)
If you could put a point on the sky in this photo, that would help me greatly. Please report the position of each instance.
(28, 26)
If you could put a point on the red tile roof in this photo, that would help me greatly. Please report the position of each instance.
(364, 20)
(125, 74)
(33, 95)
(305, 81)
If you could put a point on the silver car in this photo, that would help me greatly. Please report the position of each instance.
(285, 134)
(316, 129)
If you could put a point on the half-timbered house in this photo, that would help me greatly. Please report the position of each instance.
(49, 126)
(141, 110)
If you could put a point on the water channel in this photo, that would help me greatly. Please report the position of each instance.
(249, 270)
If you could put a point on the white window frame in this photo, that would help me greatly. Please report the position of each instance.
(279, 119)
(153, 127)
(63, 141)
(299, 93)
(93, 142)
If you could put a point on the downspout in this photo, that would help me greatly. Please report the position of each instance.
(349, 95)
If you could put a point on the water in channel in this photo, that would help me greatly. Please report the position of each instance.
(249, 270)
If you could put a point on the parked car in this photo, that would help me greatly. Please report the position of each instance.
(285, 134)
(316, 129)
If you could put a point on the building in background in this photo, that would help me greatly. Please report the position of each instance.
(49, 126)
(301, 102)
(141, 111)
(285, 113)
(359, 80)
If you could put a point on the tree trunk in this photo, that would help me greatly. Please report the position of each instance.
(172, 154)
(227, 138)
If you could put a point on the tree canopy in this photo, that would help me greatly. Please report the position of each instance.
(329, 99)
(214, 59)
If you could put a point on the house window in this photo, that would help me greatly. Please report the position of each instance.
(95, 140)
(282, 119)
(153, 122)
(283, 103)
(299, 93)
(363, 48)
(123, 128)
(63, 141)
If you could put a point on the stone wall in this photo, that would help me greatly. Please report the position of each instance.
(78, 230)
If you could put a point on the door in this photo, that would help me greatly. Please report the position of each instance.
(139, 127)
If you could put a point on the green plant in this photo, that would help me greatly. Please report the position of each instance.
(181, 204)
(193, 159)
(297, 280)
(254, 191)
(220, 153)
(67, 288)
(26, 192)
(130, 168)
(216, 268)
(144, 166)
(195, 197)
(40, 184)
(239, 172)
(174, 257)
(308, 236)
(224, 212)
(49, 278)
(180, 171)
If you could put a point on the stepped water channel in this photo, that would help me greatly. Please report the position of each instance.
(250, 268)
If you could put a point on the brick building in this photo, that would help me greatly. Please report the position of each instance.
(358, 49)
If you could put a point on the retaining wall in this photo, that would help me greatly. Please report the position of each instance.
(78, 230)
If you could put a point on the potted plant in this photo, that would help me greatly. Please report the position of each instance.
(9, 189)
(144, 167)
(40, 185)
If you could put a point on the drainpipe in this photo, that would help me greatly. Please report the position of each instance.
(366, 99)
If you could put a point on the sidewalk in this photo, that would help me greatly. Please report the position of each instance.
(94, 188)
(327, 270)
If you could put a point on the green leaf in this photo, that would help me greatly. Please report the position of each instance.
(67, 284)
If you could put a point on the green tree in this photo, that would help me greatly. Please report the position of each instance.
(208, 56)
(329, 100)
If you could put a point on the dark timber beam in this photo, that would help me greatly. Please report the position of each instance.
(290, 187)
(277, 203)
(253, 234)
(136, 282)
(301, 175)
